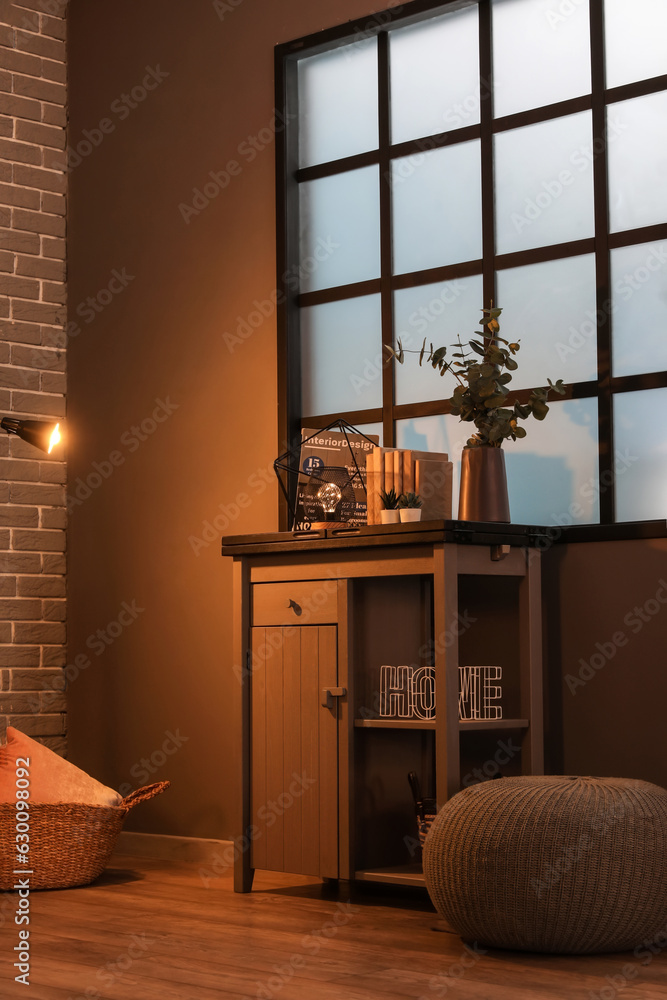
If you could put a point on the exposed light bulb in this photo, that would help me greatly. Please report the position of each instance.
(329, 496)
(55, 438)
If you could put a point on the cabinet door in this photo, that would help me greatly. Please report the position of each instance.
(294, 750)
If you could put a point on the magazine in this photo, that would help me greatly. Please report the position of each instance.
(331, 486)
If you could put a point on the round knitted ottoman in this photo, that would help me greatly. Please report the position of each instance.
(552, 863)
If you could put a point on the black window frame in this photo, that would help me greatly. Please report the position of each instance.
(289, 176)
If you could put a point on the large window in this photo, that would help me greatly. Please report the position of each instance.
(440, 157)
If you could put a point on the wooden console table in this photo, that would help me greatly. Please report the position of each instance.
(323, 775)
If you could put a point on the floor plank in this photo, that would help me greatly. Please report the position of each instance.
(152, 930)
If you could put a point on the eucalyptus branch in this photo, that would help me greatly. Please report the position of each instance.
(482, 370)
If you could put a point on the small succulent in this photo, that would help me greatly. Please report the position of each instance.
(409, 500)
(389, 499)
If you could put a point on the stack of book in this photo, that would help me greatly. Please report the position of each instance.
(427, 473)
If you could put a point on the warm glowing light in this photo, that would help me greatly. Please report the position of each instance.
(55, 438)
(329, 495)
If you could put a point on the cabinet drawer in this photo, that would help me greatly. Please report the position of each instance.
(313, 602)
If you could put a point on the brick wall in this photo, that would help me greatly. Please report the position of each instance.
(33, 184)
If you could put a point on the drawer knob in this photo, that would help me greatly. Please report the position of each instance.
(295, 607)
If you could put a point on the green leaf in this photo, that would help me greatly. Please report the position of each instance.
(476, 347)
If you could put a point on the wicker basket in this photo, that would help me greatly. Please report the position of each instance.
(70, 843)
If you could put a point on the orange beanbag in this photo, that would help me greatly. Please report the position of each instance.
(52, 778)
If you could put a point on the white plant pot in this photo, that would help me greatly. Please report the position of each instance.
(389, 516)
(410, 513)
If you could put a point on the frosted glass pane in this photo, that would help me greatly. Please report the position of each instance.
(544, 183)
(640, 436)
(372, 429)
(440, 313)
(338, 339)
(550, 308)
(540, 55)
(639, 299)
(635, 40)
(552, 474)
(340, 229)
(437, 204)
(637, 154)
(435, 75)
(338, 113)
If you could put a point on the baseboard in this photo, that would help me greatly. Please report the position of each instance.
(167, 848)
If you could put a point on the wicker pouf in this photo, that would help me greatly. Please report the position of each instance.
(552, 863)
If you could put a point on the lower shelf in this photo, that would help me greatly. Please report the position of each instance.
(398, 875)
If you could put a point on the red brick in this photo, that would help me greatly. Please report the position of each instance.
(4, 308)
(53, 248)
(53, 291)
(32, 633)
(53, 382)
(5, 632)
(19, 701)
(56, 8)
(34, 680)
(53, 472)
(21, 333)
(40, 267)
(4, 355)
(52, 70)
(13, 470)
(15, 15)
(54, 204)
(6, 36)
(23, 610)
(6, 171)
(20, 562)
(38, 403)
(22, 107)
(36, 177)
(12, 516)
(54, 656)
(53, 114)
(35, 222)
(41, 586)
(21, 62)
(19, 378)
(6, 261)
(11, 194)
(53, 517)
(10, 239)
(43, 135)
(5, 86)
(39, 725)
(56, 339)
(41, 90)
(38, 312)
(7, 585)
(19, 656)
(37, 493)
(50, 48)
(29, 357)
(52, 611)
(4, 540)
(6, 126)
(22, 288)
(39, 540)
(19, 152)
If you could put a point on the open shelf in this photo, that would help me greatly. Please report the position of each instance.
(395, 723)
(491, 724)
(396, 875)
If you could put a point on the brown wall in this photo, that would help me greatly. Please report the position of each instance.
(134, 538)
(606, 637)
(33, 117)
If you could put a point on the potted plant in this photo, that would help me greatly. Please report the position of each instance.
(483, 369)
(409, 507)
(389, 513)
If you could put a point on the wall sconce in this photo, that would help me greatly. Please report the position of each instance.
(40, 433)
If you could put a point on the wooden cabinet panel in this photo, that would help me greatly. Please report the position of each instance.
(294, 751)
(310, 602)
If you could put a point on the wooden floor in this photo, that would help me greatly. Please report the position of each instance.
(150, 930)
